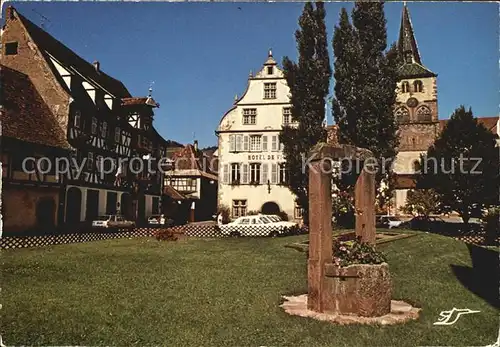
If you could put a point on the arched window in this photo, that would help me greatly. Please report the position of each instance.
(402, 115)
(416, 166)
(413, 142)
(405, 87)
(418, 86)
(424, 114)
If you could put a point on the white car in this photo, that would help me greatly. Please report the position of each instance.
(112, 221)
(257, 225)
(390, 221)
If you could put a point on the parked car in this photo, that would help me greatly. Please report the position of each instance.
(249, 226)
(388, 222)
(424, 223)
(112, 221)
(155, 220)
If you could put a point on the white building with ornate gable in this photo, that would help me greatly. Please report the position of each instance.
(251, 171)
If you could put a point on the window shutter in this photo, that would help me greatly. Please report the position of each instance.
(246, 143)
(244, 179)
(232, 146)
(274, 174)
(225, 177)
(264, 143)
(274, 144)
(238, 143)
(263, 175)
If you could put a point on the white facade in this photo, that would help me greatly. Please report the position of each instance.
(248, 149)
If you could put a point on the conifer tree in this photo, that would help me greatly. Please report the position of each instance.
(308, 81)
(365, 84)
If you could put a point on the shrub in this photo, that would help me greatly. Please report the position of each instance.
(343, 210)
(490, 224)
(166, 235)
(226, 213)
(352, 252)
(252, 213)
(283, 215)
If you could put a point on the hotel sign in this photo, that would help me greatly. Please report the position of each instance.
(265, 157)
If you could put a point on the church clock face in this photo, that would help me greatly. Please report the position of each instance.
(412, 102)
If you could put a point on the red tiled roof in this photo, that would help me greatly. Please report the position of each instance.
(67, 57)
(187, 159)
(489, 123)
(26, 117)
(139, 101)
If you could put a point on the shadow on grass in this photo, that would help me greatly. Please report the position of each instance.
(483, 277)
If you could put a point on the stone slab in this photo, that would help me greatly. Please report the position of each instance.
(401, 312)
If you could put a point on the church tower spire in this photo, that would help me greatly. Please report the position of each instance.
(407, 44)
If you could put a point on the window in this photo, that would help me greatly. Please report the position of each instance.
(90, 160)
(94, 126)
(282, 174)
(184, 184)
(235, 173)
(424, 114)
(275, 144)
(269, 70)
(269, 90)
(11, 48)
(402, 115)
(77, 119)
(405, 87)
(99, 162)
(250, 116)
(255, 173)
(104, 129)
(239, 208)
(418, 86)
(117, 134)
(287, 115)
(416, 166)
(298, 213)
(255, 143)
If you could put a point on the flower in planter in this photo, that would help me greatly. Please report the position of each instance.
(347, 253)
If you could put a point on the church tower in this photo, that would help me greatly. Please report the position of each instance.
(415, 110)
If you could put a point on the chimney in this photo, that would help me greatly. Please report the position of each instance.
(195, 145)
(96, 65)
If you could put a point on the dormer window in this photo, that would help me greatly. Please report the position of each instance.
(94, 126)
(418, 86)
(108, 100)
(90, 90)
(269, 90)
(11, 48)
(269, 70)
(77, 119)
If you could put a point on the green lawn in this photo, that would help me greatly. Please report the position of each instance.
(226, 292)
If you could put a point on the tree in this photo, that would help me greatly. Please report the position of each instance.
(462, 166)
(421, 201)
(365, 85)
(308, 82)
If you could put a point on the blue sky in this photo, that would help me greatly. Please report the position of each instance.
(199, 54)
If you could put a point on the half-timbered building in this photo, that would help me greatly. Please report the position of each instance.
(103, 124)
(32, 194)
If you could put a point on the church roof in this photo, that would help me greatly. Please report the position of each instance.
(412, 66)
(407, 42)
(414, 70)
(25, 115)
(48, 44)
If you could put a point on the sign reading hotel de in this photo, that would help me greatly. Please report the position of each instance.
(265, 157)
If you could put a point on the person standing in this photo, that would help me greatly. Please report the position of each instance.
(162, 220)
(219, 220)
